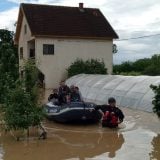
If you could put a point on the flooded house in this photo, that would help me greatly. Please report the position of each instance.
(55, 36)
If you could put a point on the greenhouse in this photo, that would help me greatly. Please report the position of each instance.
(130, 91)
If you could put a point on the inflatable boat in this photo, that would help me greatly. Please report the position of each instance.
(72, 112)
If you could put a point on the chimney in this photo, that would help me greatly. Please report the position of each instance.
(81, 6)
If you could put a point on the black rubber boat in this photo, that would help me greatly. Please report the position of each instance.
(72, 112)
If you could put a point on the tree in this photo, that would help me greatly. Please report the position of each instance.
(6, 36)
(19, 97)
(156, 99)
(21, 112)
(124, 67)
(154, 68)
(92, 66)
(8, 63)
(141, 64)
(145, 66)
(22, 108)
(114, 49)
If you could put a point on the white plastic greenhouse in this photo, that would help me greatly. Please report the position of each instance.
(130, 91)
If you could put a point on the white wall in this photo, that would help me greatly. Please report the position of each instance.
(23, 41)
(66, 52)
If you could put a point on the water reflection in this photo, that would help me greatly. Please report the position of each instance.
(1, 152)
(86, 142)
(155, 154)
(62, 145)
(91, 144)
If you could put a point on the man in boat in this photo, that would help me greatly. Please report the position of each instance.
(111, 115)
(63, 92)
(75, 95)
(53, 97)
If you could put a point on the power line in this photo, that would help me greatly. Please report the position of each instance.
(126, 39)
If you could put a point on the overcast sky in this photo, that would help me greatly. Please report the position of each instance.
(132, 18)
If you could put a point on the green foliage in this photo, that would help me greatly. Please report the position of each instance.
(6, 36)
(124, 67)
(6, 83)
(141, 64)
(31, 74)
(92, 66)
(20, 111)
(19, 97)
(154, 68)
(21, 106)
(156, 99)
(146, 66)
(114, 49)
(132, 73)
(8, 63)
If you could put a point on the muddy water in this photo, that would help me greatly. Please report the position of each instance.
(138, 138)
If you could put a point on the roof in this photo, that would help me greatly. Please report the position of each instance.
(62, 21)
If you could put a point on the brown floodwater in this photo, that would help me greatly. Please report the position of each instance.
(138, 138)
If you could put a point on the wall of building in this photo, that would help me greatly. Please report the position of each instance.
(67, 51)
(23, 41)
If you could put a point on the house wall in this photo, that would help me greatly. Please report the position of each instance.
(67, 51)
(23, 42)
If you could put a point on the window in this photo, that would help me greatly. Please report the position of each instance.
(21, 53)
(22, 74)
(32, 53)
(25, 29)
(48, 49)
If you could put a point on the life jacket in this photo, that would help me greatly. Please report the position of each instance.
(110, 119)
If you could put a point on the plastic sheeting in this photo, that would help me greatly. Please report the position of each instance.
(129, 91)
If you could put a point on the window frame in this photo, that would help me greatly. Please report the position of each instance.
(47, 50)
(21, 53)
(21, 74)
(25, 29)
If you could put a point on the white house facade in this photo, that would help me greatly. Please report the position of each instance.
(53, 53)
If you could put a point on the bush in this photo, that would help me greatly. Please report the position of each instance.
(92, 66)
(132, 73)
(21, 107)
(154, 68)
(145, 66)
(156, 99)
(21, 112)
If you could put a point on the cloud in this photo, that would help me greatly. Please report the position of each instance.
(8, 18)
(137, 48)
(131, 18)
(34, 1)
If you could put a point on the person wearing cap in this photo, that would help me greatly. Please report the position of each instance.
(111, 114)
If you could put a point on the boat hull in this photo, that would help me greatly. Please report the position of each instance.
(73, 112)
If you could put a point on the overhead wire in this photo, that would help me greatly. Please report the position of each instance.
(140, 37)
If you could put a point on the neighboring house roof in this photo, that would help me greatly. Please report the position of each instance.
(62, 21)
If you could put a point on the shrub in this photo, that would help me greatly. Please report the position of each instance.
(92, 66)
(145, 66)
(156, 99)
(21, 107)
(21, 112)
(132, 73)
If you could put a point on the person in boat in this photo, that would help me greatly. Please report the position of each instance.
(63, 92)
(74, 94)
(111, 115)
(78, 92)
(53, 97)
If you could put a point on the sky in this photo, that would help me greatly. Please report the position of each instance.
(129, 18)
